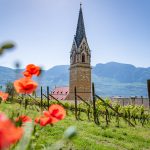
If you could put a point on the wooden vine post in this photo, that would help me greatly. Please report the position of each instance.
(142, 99)
(41, 97)
(76, 109)
(48, 96)
(148, 88)
(94, 106)
(88, 111)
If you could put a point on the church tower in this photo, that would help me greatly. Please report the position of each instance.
(80, 63)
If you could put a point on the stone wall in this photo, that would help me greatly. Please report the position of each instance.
(132, 101)
(80, 77)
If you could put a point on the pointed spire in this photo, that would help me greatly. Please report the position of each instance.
(80, 32)
(80, 4)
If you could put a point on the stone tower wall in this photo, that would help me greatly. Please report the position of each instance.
(80, 77)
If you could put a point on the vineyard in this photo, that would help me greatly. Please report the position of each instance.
(110, 132)
(99, 111)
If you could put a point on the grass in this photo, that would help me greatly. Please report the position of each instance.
(89, 136)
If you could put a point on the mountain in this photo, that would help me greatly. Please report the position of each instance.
(119, 79)
(124, 73)
(56, 76)
(111, 79)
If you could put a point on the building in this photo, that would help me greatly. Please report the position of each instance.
(80, 67)
(80, 63)
(60, 93)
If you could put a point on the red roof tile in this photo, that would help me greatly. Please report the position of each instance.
(60, 93)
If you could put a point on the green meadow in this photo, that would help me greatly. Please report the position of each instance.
(89, 136)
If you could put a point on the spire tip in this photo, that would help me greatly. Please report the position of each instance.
(80, 4)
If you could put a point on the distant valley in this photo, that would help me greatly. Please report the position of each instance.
(111, 79)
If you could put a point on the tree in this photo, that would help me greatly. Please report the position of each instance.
(10, 89)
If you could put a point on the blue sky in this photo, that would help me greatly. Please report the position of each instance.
(117, 30)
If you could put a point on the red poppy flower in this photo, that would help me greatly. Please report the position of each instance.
(23, 119)
(4, 96)
(9, 133)
(37, 120)
(27, 74)
(25, 85)
(43, 121)
(53, 115)
(33, 70)
(56, 112)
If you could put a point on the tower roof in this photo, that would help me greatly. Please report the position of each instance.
(80, 31)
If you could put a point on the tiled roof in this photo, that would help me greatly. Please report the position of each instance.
(60, 93)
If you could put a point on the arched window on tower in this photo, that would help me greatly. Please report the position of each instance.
(83, 57)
